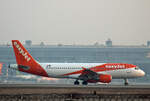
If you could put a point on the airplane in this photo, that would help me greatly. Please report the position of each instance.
(85, 72)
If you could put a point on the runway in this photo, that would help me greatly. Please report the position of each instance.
(20, 85)
(68, 92)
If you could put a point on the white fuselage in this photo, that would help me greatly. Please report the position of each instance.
(58, 70)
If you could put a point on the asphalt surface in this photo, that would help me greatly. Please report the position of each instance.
(5, 85)
(30, 89)
(69, 92)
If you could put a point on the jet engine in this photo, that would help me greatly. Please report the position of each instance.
(105, 78)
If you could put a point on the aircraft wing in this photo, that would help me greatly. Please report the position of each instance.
(88, 74)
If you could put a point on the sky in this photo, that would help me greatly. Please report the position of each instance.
(125, 22)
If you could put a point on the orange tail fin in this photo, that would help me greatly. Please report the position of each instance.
(22, 55)
(25, 61)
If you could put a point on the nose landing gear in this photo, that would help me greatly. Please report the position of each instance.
(126, 82)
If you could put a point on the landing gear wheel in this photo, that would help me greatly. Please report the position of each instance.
(84, 83)
(126, 82)
(76, 82)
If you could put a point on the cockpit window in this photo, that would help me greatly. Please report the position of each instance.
(136, 68)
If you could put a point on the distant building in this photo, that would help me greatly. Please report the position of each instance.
(148, 43)
(42, 44)
(96, 44)
(28, 42)
(108, 43)
(59, 45)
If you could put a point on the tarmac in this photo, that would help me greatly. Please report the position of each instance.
(29, 85)
(67, 92)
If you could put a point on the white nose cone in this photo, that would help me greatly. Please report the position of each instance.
(142, 73)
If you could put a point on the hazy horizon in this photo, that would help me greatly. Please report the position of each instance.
(125, 22)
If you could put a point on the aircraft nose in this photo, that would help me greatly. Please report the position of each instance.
(142, 73)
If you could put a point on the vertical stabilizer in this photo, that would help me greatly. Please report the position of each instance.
(25, 61)
(22, 55)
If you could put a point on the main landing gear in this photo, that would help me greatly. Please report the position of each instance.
(76, 82)
(126, 82)
(83, 83)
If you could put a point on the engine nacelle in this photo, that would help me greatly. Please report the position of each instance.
(105, 78)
